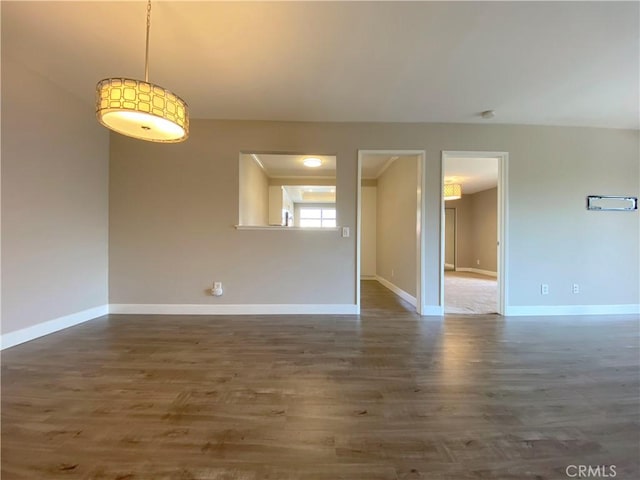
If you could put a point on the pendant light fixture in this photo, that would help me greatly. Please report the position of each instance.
(452, 191)
(140, 109)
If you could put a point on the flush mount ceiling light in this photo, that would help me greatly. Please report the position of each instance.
(452, 191)
(312, 162)
(140, 109)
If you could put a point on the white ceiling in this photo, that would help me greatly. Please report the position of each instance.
(282, 165)
(311, 193)
(550, 63)
(373, 165)
(474, 174)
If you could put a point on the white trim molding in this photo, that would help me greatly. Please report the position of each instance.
(17, 337)
(479, 271)
(427, 310)
(407, 297)
(433, 311)
(291, 229)
(233, 309)
(51, 326)
(549, 310)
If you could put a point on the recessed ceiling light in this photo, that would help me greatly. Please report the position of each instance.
(312, 162)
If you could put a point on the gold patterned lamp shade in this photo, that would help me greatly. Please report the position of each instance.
(140, 109)
(452, 191)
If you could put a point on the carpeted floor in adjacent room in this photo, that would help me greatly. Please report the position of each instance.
(470, 293)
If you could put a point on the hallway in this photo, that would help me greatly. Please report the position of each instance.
(378, 301)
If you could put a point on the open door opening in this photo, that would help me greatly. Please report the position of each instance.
(473, 267)
(389, 236)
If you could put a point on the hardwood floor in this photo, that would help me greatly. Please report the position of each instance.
(387, 395)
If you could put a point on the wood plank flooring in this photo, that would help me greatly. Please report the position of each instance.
(387, 395)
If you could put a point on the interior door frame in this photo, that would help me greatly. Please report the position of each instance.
(455, 235)
(503, 219)
(420, 221)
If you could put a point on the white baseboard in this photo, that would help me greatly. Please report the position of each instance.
(17, 337)
(45, 328)
(478, 271)
(428, 311)
(433, 311)
(397, 290)
(449, 266)
(231, 309)
(11, 339)
(544, 310)
(367, 277)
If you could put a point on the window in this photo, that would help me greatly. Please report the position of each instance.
(318, 217)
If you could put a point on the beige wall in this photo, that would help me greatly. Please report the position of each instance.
(54, 201)
(485, 229)
(253, 193)
(173, 207)
(396, 224)
(450, 238)
(464, 240)
(477, 229)
(276, 205)
(368, 228)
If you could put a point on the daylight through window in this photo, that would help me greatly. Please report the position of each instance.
(318, 217)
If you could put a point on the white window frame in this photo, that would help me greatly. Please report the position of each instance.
(322, 218)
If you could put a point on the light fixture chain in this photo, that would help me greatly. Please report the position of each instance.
(146, 56)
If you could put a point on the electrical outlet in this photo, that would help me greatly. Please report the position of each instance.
(478, 262)
(575, 288)
(217, 291)
(544, 289)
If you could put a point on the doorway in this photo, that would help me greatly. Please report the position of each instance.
(473, 232)
(392, 181)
